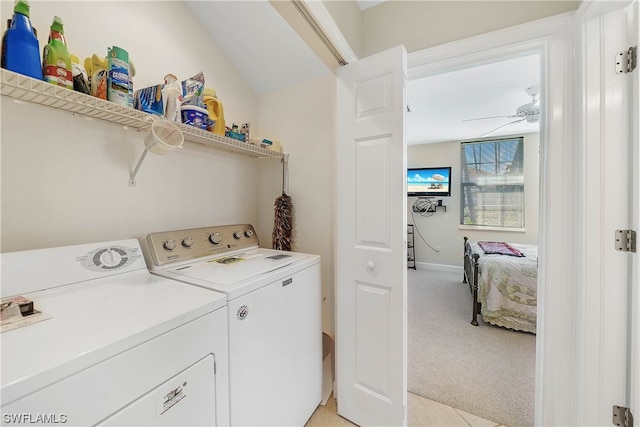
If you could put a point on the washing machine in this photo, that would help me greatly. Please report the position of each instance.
(274, 309)
(90, 337)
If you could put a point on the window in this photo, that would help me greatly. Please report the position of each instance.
(493, 183)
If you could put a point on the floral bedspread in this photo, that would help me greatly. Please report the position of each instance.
(508, 288)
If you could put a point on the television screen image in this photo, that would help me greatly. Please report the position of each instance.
(429, 182)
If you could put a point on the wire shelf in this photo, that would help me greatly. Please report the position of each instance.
(40, 92)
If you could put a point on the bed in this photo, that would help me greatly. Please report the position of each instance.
(503, 279)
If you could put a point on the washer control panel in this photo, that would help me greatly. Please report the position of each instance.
(181, 245)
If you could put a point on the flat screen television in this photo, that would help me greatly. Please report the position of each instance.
(429, 182)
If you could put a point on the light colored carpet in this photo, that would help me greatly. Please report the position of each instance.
(485, 370)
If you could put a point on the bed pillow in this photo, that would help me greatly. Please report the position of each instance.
(499, 248)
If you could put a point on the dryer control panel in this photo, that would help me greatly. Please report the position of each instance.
(170, 247)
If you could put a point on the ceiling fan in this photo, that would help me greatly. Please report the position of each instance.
(529, 111)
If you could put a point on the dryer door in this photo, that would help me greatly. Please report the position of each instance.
(187, 399)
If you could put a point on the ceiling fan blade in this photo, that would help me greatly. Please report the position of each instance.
(529, 111)
(491, 117)
(500, 127)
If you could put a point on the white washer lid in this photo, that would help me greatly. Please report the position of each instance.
(92, 321)
(233, 268)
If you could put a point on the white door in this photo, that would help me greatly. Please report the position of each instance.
(371, 249)
(609, 123)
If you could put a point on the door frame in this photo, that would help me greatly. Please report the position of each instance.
(557, 308)
(602, 30)
(634, 388)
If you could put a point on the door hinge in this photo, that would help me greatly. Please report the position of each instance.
(626, 61)
(626, 240)
(622, 416)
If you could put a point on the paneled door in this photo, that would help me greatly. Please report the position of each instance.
(371, 246)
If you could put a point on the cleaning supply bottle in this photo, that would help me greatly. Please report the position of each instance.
(97, 75)
(80, 83)
(20, 48)
(118, 76)
(56, 61)
(172, 98)
(216, 113)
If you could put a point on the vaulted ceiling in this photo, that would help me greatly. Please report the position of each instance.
(270, 55)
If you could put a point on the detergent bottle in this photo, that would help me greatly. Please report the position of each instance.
(216, 113)
(20, 47)
(118, 76)
(56, 61)
(97, 75)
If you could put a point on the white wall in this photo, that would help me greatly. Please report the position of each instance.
(65, 178)
(443, 229)
(348, 18)
(422, 24)
(302, 118)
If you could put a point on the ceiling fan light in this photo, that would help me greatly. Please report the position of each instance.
(526, 109)
(533, 118)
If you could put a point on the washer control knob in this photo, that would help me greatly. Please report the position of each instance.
(187, 242)
(169, 244)
(237, 235)
(215, 238)
(248, 233)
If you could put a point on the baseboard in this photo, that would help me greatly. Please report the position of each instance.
(439, 267)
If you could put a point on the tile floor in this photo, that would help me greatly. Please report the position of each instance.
(421, 412)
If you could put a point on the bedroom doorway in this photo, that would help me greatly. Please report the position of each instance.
(440, 63)
(451, 377)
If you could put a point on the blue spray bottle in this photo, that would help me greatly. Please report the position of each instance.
(20, 47)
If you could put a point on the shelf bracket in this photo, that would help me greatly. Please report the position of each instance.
(132, 177)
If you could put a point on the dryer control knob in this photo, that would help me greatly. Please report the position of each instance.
(187, 242)
(237, 235)
(169, 244)
(215, 238)
(111, 258)
(248, 233)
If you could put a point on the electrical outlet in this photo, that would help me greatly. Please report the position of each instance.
(438, 249)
